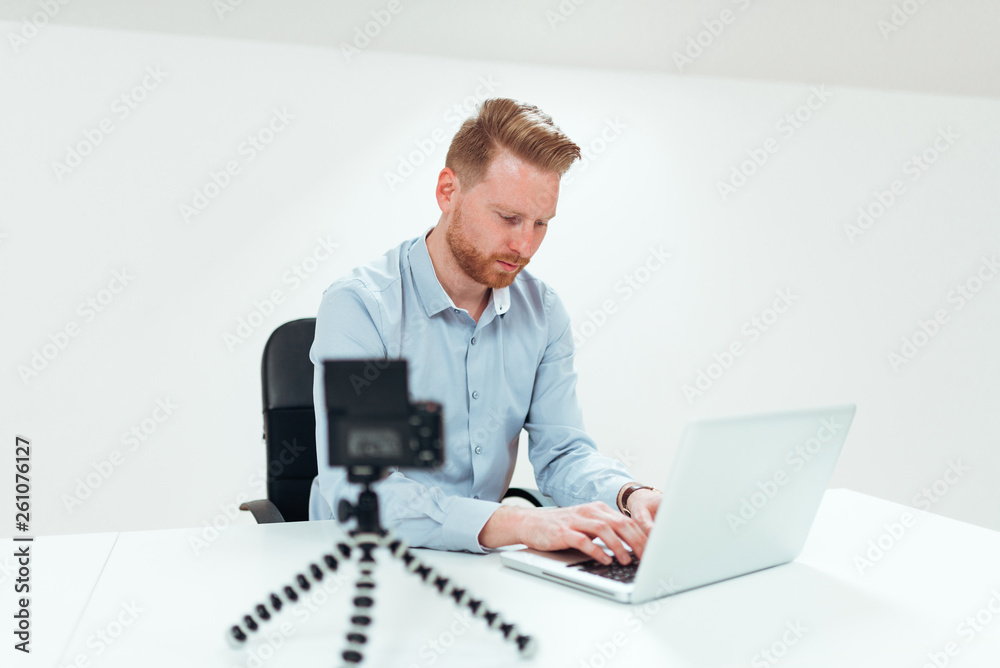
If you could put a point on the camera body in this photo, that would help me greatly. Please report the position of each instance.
(373, 425)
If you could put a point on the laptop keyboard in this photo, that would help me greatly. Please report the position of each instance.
(614, 571)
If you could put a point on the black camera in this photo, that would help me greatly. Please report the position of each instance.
(373, 425)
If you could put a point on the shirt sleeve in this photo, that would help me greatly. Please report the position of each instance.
(348, 326)
(568, 467)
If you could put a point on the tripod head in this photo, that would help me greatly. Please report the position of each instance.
(365, 511)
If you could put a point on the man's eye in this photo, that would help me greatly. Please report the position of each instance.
(509, 219)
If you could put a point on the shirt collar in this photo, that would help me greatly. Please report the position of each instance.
(431, 294)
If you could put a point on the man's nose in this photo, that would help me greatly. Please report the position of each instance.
(522, 241)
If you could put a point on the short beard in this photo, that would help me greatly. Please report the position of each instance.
(479, 267)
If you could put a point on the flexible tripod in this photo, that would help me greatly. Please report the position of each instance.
(368, 536)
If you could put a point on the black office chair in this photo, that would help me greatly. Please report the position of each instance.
(290, 428)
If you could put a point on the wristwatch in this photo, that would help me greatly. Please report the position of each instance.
(627, 492)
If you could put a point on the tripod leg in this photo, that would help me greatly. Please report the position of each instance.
(364, 599)
(250, 624)
(525, 644)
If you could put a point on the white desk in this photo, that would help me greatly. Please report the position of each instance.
(817, 611)
(63, 572)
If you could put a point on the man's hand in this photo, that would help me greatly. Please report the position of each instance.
(643, 504)
(561, 528)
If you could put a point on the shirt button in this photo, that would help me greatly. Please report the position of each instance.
(475, 395)
(456, 310)
(479, 450)
(473, 340)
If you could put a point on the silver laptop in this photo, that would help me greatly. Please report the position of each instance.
(741, 497)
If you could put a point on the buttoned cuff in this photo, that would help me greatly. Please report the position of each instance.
(464, 521)
(610, 494)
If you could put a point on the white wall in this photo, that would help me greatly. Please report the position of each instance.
(913, 45)
(654, 184)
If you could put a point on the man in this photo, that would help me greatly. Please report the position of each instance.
(493, 345)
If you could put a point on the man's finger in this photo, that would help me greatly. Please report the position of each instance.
(644, 519)
(613, 540)
(632, 533)
(598, 528)
(639, 544)
(586, 544)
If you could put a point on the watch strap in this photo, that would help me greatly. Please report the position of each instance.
(627, 492)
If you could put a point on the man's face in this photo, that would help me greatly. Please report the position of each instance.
(496, 227)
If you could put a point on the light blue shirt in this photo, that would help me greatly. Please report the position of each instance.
(511, 370)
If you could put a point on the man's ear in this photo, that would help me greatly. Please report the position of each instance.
(447, 187)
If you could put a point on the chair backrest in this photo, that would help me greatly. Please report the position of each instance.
(289, 417)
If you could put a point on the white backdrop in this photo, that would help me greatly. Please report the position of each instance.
(133, 327)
